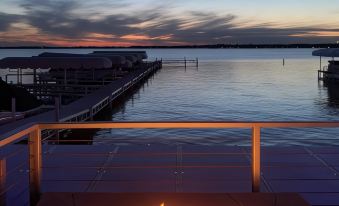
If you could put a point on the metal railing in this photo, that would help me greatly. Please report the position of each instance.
(183, 61)
(35, 142)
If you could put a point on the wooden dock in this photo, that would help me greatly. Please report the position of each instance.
(88, 106)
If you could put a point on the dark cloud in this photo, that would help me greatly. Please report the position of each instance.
(58, 18)
(7, 19)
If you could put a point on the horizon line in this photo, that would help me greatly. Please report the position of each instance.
(294, 45)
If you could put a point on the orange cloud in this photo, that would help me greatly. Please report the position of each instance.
(317, 34)
(99, 35)
(136, 37)
(83, 43)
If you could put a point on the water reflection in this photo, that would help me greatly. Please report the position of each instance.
(89, 136)
(333, 93)
(230, 91)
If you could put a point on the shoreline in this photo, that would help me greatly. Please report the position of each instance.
(216, 46)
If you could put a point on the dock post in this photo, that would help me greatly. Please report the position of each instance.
(18, 76)
(35, 83)
(197, 62)
(57, 108)
(34, 77)
(110, 105)
(256, 158)
(91, 113)
(13, 109)
(35, 163)
(86, 90)
(3, 174)
(65, 77)
(185, 61)
(319, 75)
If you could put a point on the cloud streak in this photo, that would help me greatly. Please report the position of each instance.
(59, 23)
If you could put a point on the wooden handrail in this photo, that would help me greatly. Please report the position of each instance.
(18, 134)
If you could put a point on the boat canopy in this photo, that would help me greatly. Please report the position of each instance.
(128, 64)
(130, 57)
(115, 59)
(139, 54)
(333, 52)
(55, 63)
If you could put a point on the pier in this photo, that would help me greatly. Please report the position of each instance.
(86, 107)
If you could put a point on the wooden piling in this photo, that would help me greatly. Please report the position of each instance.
(13, 108)
(57, 109)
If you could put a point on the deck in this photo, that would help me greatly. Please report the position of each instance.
(309, 171)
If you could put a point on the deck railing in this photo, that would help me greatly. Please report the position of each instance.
(35, 141)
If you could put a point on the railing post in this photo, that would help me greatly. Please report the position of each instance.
(91, 113)
(35, 162)
(256, 159)
(2, 181)
(13, 108)
(57, 108)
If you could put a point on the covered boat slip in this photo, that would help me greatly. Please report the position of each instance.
(89, 105)
(141, 54)
(331, 71)
(332, 52)
(70, 76)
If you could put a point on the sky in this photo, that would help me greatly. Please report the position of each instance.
(171, 22)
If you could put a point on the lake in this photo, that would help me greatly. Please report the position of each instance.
(228, 85)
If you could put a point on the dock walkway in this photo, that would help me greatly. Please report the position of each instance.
(86, 107)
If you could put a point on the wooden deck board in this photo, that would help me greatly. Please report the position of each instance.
(172, 199)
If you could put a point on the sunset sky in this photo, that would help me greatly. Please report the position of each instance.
(171, 22)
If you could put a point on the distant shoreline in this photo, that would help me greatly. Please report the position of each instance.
(216, 46)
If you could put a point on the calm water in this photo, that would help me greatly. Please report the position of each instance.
(229, 85)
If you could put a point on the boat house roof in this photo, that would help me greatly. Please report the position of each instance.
(115, 58)
(138, 54)
(55, 63)
(333, 52)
